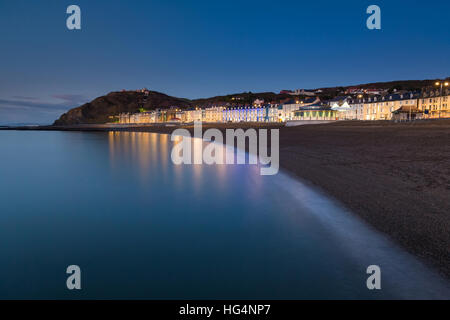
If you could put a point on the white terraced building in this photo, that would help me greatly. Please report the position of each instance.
(380, 107)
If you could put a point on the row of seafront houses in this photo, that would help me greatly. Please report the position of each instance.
(396, 106)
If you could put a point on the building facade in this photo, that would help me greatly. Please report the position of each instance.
(244, 114)
(138, 118)
(214, 114)
(399, 105)
(381, 107)
(314, 112)
(287, 110)
(435, 106)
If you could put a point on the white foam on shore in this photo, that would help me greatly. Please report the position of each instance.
(404, 275)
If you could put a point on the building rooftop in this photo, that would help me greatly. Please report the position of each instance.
(388, 97)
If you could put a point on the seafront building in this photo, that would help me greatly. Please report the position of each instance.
(142, 117)
(318, 111)
(263, 113)
(433, 105)
(342, 108)
(400, 105)
(380, 107)
(244, 114)
(191, 115)
(289, 108)
(214, 114)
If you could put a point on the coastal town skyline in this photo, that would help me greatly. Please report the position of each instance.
(399, 100)
(198, 52)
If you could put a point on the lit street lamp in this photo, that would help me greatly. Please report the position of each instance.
(441, 84)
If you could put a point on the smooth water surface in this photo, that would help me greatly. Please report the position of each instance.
(141, 227)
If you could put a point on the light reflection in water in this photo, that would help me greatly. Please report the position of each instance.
(164, 144)
(152, 151)
(142, 148)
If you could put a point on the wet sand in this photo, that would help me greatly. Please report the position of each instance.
(395, 176)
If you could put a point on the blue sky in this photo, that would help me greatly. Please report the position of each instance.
(199, 49)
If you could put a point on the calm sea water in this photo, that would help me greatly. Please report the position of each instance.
(141, 227)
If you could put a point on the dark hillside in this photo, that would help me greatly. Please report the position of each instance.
(103, 109)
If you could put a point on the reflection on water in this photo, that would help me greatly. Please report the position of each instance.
(140, 147)
(141, 227)
(147, 149)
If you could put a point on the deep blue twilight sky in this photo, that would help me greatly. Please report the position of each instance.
(198, 49)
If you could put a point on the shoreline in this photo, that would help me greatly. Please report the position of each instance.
(395, 176)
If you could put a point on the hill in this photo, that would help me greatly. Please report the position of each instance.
(408, 85)
(101, 109)
(245, 98)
